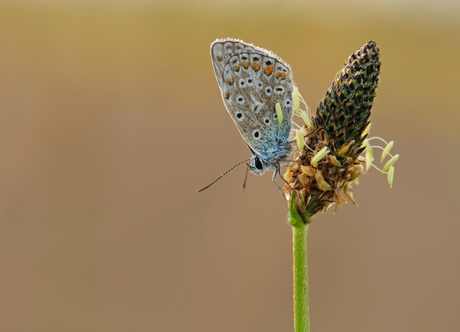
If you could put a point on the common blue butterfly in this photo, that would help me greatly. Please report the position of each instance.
(252, 81)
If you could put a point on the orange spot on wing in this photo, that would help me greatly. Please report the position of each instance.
(227, 94)
(278, 74)
(256, 66)
(283, 76)
(268, 70)
(237, 68)
(230, 81)
(245, 64)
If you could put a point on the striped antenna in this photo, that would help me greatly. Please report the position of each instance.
(204, 188)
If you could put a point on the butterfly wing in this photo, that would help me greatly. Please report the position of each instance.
(252, 80)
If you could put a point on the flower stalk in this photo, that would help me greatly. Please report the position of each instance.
(300, 268)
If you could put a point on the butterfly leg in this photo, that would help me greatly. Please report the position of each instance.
(276, 184)
(277, 172)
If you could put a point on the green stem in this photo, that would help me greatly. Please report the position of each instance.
(299, 242)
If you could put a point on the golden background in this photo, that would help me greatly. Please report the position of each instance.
(111, 119)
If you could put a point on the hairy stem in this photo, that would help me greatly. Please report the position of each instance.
(299, 242)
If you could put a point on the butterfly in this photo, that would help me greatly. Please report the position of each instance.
(252, 81)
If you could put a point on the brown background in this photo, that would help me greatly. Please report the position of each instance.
(111, 119)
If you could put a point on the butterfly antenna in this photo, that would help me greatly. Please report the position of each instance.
(204, 188)
(245, 178)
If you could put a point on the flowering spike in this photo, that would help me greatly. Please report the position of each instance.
(391, 174)
(295, 99)
(336, 136)
(390, 163)
(320, 155)
(304, 116)
(387, 149)
(345, 110)
(279, 114)
(300, 139)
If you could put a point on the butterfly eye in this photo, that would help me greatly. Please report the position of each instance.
(267, 121)
(242, 83)
(288, 102)
(256, 134)
(258, 164)
(240, 99)
(268, 91)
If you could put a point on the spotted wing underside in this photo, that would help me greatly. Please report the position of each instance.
(252, 80)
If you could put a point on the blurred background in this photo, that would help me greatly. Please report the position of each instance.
(111, 119)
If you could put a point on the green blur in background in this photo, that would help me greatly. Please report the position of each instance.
(111, 119)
